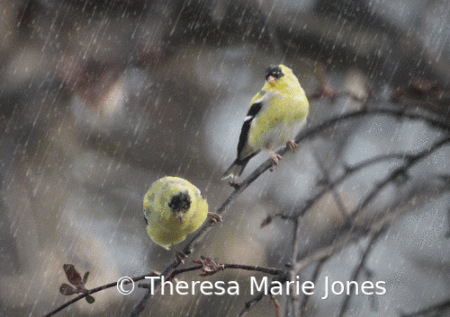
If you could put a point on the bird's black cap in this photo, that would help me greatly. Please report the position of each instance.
(275, 71)
(180, 202)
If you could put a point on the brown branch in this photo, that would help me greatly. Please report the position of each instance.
(256, 268)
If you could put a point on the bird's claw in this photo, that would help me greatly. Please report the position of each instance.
(275, 157)
(215, 218)
(292, 145)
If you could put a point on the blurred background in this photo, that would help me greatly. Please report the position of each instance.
(98, 99)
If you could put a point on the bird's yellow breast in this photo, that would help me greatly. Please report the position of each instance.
(285, 105)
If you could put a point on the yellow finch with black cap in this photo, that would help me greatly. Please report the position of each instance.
(277, 114)
(173, 208)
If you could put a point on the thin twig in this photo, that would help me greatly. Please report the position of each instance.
(356, 272)
(90, 292)
(295, 251)
(313, 279)
(248, 305)
(326, 176)
(323, 253)
(411, 160)
(349, 171)
(256, 268)
(276, 306)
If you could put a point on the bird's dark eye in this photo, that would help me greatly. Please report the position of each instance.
(274, 71)
(180, 202)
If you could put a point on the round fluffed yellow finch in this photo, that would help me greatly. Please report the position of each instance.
(173, 208)
(276, 115)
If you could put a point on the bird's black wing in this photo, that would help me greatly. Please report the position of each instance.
(251, 114)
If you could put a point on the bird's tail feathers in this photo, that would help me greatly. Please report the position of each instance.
(235, 170)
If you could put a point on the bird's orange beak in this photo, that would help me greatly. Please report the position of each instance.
(272, 81)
